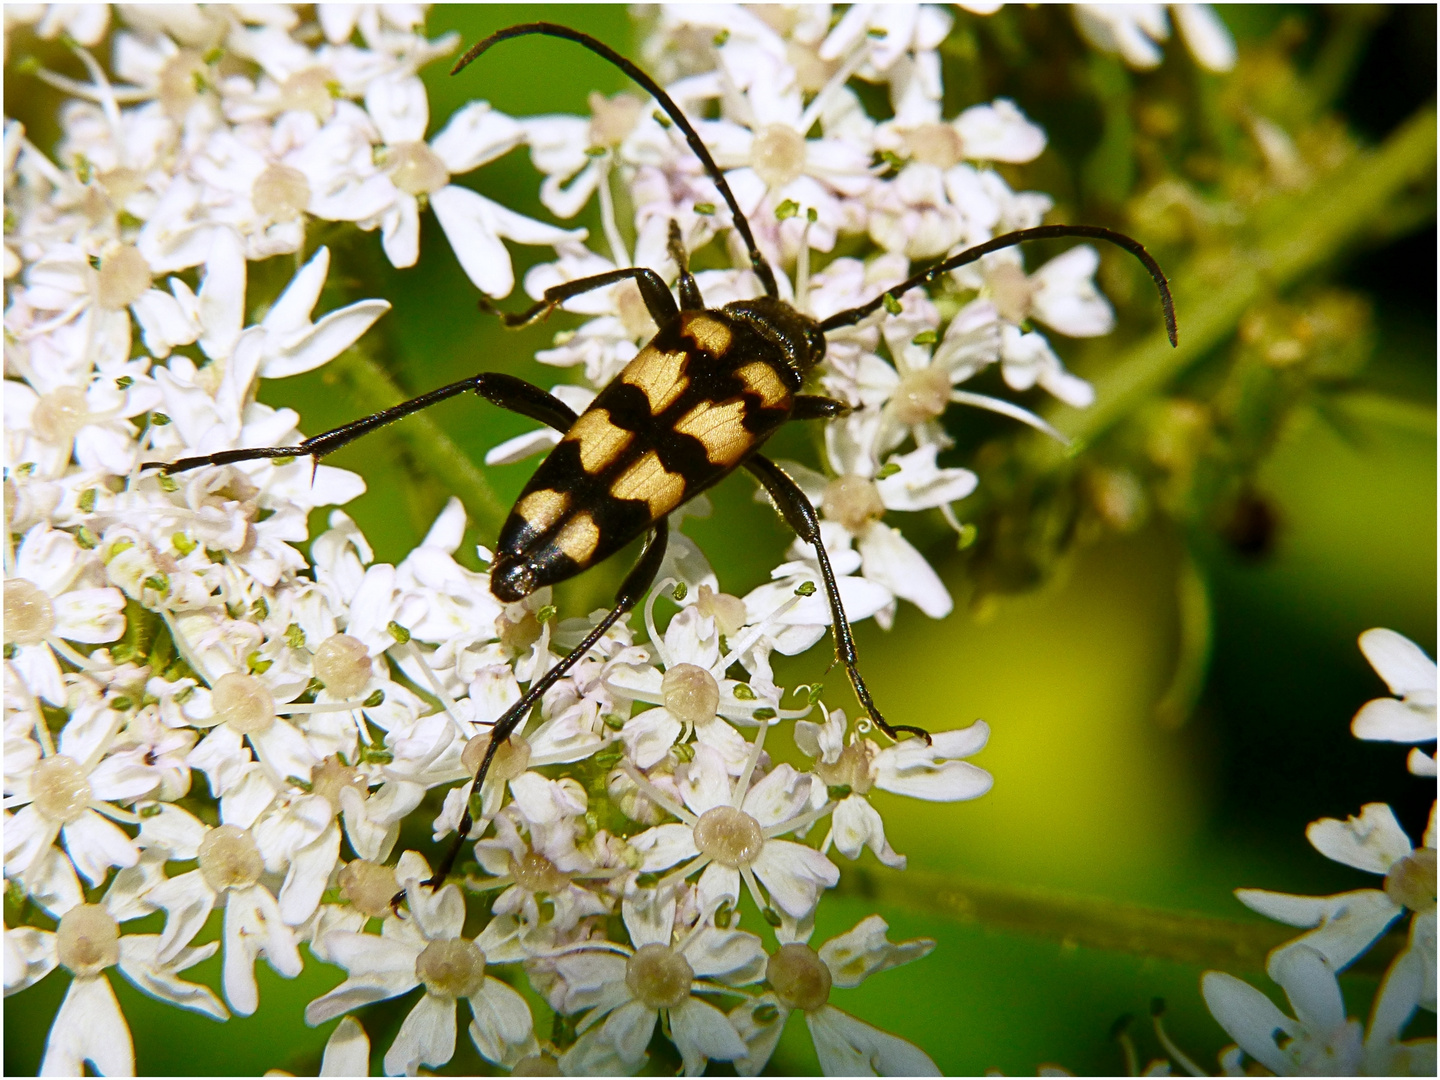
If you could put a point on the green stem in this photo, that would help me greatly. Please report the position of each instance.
(1092, 922)
(1214, 291)
(373, 390)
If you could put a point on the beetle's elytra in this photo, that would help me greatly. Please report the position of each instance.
(695, 404)
(705, 393)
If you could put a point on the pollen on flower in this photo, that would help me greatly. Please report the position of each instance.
(229, 858)
(309, 91)
(935, 144)
(61, 791)
(634, 315)
(343, 664)
(417, 170)
(853, 501)
(1411, 881)
(778, 155)
(729, 836)
(60, 414)
(332, 775)
(613, 118)
(243, 702)
(811, 72)
(691, 693)
(124, 277)
(121, 182)
(1010, 291)
(29, 615)
(512, 757)
(180, 81)
(369, 886)
(921, 396)
(659, 976)
(727, 611)
(517, 631)
(451, 969)
(536, 873)
(851, 769)
(280, 192)
(799, 977)
(537, 1065)
(87, 941)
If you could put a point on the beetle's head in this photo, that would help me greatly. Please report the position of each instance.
(797, 334)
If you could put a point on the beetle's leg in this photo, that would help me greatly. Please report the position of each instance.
(632, 590)
(815, 407)
(801, 516)
(689, 291)
(507, 391)
(653, 290)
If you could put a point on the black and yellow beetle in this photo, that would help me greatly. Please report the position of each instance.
(695, 404)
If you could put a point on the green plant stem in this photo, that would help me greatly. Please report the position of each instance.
(1092, 922)
(1212, 293)
(372, 389)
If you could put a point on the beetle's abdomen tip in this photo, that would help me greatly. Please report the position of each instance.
(512, 579)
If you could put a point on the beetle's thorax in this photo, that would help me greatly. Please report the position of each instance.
(706, 392)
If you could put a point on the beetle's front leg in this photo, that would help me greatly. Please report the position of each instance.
(653, 290)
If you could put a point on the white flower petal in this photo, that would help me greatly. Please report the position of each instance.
(29, 957)
(502, 1028)
(291, 312)
(89, 1027)
(399, 107)
(1399, 661)
(427, 1037)
(140, 964)
(347, 1051)
(1388, 720)
(859, 953)
(324, 341)
(1249, 1017)
(848, 1047)
(892, 561)
(628, 1030)
(1373, 841)
(475, 134)
(95, 845)
(795, 875)
(702, 1031)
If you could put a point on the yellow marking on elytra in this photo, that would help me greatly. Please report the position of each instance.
(760, 378)
(600, 440)
(579, 538)
(710, 334)
(649, 480)
(542, 509)
(659, 375)
(720, 429)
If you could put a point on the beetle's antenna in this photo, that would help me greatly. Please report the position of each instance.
(1043, 232)
(757, 261)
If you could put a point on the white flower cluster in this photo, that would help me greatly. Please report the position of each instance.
(155, 626)
(1320, 1040)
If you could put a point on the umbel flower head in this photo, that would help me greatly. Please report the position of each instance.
(223, 723)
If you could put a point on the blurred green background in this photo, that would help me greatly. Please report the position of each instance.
(1099, 795)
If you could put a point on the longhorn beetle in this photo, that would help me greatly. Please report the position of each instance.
(694, 405)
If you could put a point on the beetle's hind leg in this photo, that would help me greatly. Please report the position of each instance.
(690, 299)
(632, 590)
(801, 516)
(507, 391)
